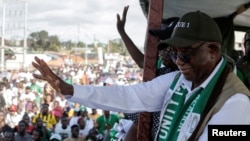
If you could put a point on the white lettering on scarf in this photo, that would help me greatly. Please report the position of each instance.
(167, 120)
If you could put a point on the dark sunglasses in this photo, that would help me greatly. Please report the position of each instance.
(184, 56)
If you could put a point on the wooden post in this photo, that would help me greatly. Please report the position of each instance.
(150, 60)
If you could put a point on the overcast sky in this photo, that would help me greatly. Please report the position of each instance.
(97, 18)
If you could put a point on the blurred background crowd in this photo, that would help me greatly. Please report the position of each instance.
(31, 109)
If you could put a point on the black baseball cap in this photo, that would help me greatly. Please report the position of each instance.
(167, 27)
(192, 28)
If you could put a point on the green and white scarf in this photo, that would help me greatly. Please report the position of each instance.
(177, 111)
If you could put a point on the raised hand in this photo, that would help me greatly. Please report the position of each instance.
(122, 20)
(48, 75)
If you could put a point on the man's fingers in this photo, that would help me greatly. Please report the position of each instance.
(37, 76)
(118, 17)
(37, 67)
(124, 15)
(58, 86)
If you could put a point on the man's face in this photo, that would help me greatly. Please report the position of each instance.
(247, 47)
(21, 127)
(64, 121)
(45, 109)
(166, 57)
(82, 123)
(1, 116)
(106, 113)
(27, 91)
(75, 132)
(35, 136)
(26, 119)
(197, 61)
(8, 136)
(2, 87)
(39, 122)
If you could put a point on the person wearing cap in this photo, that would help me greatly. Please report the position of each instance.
(164, 61)
(205, 89)
(243, 64)
(12, 117)
(55, 137)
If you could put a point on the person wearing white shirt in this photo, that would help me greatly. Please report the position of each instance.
(62, 128)
(12, 118)
(28, 95)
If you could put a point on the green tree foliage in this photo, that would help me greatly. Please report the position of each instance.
(68, 45)
(41, 41)
(116, 46)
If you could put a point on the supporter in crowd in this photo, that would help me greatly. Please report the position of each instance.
(46, 133)
(243, 64)
(21, 134)
(2, 99)
(57, 111)
(55, 137)
(75, 134)
(62, 128)
(38, 91)
(46, 116)
(8, 94)
(83, 128)
(84, 122)
(3, 126)
(9, 135)
(73, 120)
(105, 122)
(29, 127)
(12, 117)
(93, 115)
(27, 99)
(37, 135)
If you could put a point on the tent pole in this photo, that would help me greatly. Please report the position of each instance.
(154, 20)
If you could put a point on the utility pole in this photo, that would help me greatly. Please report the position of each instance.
(25, 34)
(86, 53)
(14, 24)
(3, 36)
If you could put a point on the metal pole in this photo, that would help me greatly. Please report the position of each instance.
(2, 42)
(86, 53)
(25, 35)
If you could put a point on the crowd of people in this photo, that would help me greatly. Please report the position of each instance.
(32, 110)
